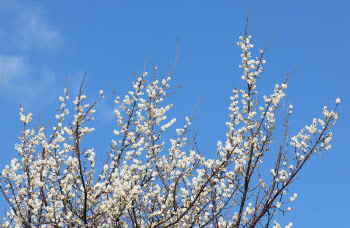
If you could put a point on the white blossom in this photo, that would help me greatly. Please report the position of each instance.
(154, 173)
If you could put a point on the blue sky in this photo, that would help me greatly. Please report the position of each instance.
(42, 42)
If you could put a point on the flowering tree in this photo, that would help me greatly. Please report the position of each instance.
(150, 182)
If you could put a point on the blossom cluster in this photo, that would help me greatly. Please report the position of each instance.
(148, 180)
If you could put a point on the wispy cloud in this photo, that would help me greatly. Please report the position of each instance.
(33, 31)
(16, 69)
(21, 84)
(28, 28)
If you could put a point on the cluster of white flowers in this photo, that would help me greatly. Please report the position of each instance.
(25, 119)
(277, 225)
(149, 180)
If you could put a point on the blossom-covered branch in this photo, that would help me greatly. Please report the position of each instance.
(149, 180)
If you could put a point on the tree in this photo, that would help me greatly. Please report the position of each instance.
(147, 181)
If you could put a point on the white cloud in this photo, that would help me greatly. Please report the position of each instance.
(33, 31)
(15, 71)
(28, 28)
(21, 85)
